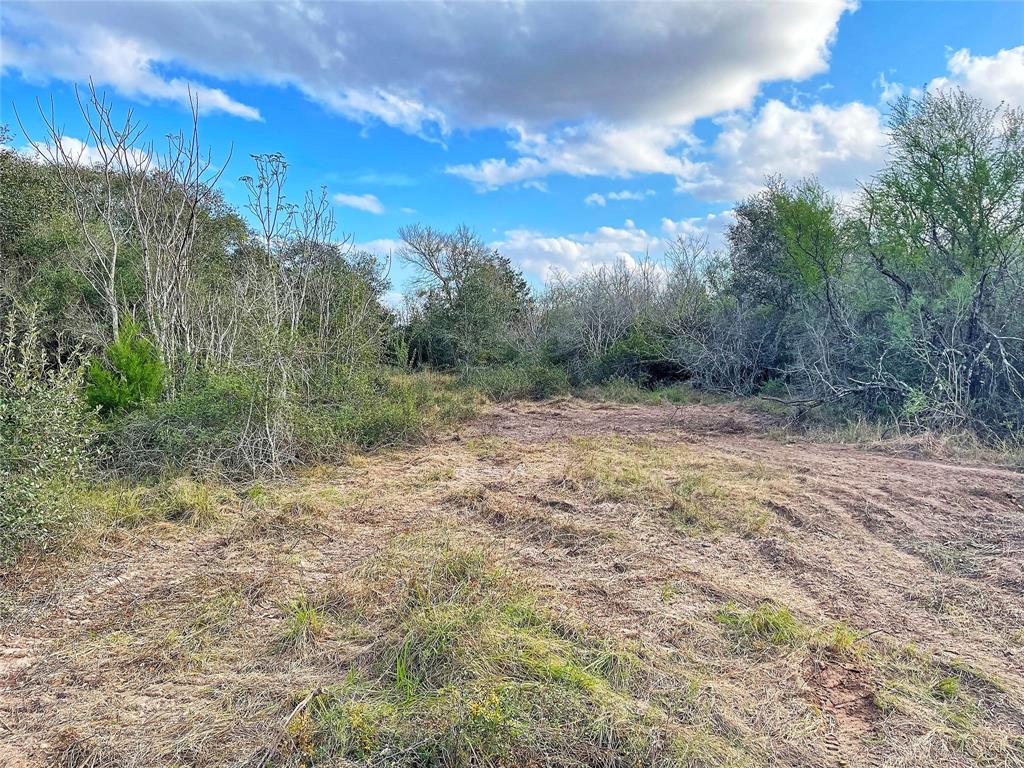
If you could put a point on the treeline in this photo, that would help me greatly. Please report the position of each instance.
(905, 304)
(150, 327)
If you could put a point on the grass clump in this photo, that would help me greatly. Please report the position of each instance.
(766, 626)
(921, 694)
(622, 389)
(123, 504)
(304, 622)
(469, 668)
(839, 638)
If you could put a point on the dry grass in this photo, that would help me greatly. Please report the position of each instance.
(683, 593)
(698, 490)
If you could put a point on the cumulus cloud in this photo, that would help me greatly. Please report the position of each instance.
(382, 246)
(619, 72)
(838, 144)
(543, 255)
(367, 202)
(76, 150)
(713, 226)
(585, 150)
(994, 79)
(122, 63)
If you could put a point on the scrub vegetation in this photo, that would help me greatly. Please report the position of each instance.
(253, 514)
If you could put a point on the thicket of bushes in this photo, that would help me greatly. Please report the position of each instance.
(901, 305)
(158, 330)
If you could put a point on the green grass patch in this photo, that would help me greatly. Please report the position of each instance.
(469, 668)
(517, 381)
(628, 392)
(697, 491)
(766, 626)
(304, 622)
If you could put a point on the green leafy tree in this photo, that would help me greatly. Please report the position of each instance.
(943, 233)
(470, 298)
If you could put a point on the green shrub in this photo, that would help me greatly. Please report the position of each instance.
(638, 356)
(215, 421)
(529, 381)
(127, 376)
(45, 438)
(228, 422)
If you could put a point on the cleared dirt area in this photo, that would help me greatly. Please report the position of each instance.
(810, 605)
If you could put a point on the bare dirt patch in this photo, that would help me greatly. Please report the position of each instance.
(161, 645)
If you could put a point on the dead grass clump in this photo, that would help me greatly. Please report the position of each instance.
(699, 492)
(469, 668)
(533, 519)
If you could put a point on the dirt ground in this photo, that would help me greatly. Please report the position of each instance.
(923, 560)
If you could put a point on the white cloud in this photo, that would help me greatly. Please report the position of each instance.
(394, 300)
(625, 77)
(543, 255)
(839, 145)
(631, 195)
(81, 153)
(713, 226)
(367, 202)
(76, 150)
(121, 63)
(889, 91)
(598, 199)
(382, 246)
(993, 79)
(584, 150)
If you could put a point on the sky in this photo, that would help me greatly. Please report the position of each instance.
(567, 134)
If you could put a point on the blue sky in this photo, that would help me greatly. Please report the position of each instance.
(568, 134)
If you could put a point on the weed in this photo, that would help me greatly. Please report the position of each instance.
(840, 638)
(304, 622)
(947, 688)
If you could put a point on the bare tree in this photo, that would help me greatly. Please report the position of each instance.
(91, 175)
(123, 190)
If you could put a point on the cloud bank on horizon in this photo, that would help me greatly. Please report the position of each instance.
(601, 91)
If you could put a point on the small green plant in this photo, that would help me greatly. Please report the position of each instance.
(947, 688)
(129, 375)
(304, 621)
(840, 638)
